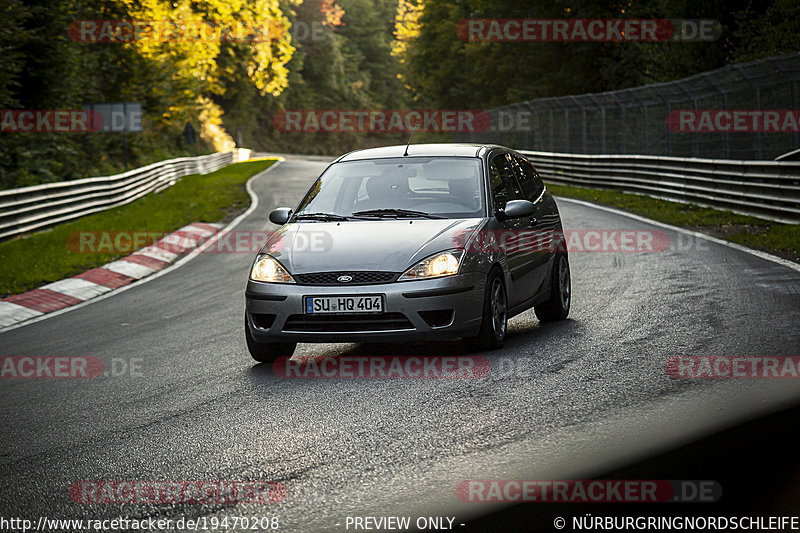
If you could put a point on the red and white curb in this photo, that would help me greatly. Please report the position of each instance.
(97, 281)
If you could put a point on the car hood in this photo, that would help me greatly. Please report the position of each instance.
(382, 245)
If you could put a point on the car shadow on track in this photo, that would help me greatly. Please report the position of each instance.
(523, 338)
(526, 329)
(530, 350)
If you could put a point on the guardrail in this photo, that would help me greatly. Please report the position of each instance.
(39, 206)
(765, 189)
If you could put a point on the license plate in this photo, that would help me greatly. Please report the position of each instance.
(319, 305)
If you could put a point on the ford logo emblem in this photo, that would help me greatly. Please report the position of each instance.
(344, 279)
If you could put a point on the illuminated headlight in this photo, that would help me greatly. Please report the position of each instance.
(435, 266)
(268, 270)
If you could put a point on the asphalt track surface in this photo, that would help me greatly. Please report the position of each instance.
(570, 400)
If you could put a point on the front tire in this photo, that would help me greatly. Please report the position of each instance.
(492, 334)
(264, 352)
(557, 306)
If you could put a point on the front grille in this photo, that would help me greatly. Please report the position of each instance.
(347, 323)
(359, 278)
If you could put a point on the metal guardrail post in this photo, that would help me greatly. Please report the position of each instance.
(583, 117)
(602, 119)
(623, 143)
(566, 123)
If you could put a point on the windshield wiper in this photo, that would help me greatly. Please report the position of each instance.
(396, 213)
(327, 217)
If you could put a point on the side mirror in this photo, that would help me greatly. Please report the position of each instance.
(280, 216)
(516, 209)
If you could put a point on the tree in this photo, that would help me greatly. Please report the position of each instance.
(170, 68)
(444, 71)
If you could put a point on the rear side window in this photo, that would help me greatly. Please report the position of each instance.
(504, 186)
(529, 179)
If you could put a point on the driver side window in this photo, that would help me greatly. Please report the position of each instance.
(529, 180)
(504, 186)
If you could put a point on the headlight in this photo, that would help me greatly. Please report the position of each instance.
(435, 266)
(268, 270)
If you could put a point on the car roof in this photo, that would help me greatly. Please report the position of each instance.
(419, 150)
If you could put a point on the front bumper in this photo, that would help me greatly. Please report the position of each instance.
(435, 309)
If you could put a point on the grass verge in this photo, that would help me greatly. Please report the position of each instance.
(782, 240)
(43, 257)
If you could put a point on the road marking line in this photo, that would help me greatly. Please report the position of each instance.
(751, 251)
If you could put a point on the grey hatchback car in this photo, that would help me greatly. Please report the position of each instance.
(405, 243)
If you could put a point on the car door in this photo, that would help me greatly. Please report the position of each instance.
(538, 232)
(504, 188)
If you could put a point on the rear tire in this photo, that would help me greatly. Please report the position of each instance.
(492, 334)
(557, 306)
(267, 352)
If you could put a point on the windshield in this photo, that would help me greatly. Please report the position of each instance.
(442, 187)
